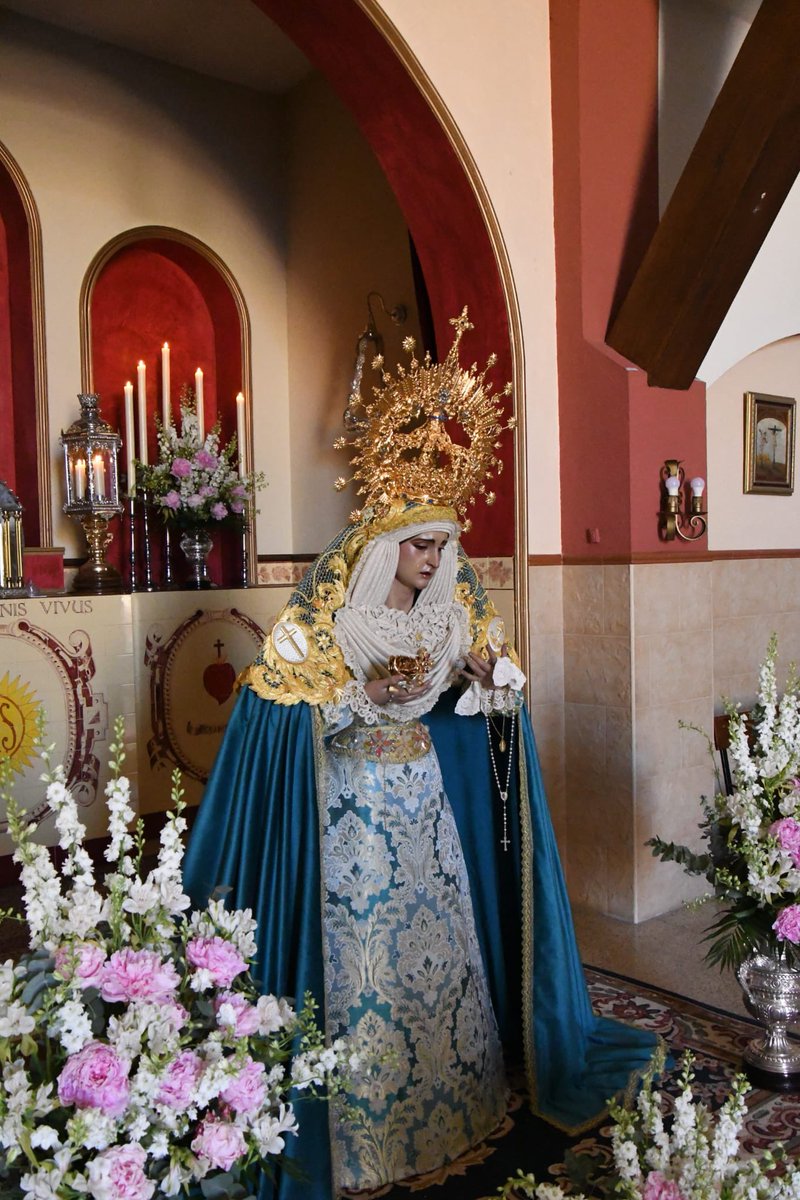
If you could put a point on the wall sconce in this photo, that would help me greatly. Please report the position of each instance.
(90, 469)
(672, 516)
(369, 343)
(11, 543)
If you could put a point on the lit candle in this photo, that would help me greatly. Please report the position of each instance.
(142, 398)
(240, 431)
(99, 475)
(130, 450)
(198, 395)
(166, 415)
(79, 479)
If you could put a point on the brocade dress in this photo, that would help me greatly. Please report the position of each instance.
(404, 976)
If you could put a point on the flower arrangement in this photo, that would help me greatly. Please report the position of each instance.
(697, 1158)
(753, 835)
(195, 481)
(135, 1051)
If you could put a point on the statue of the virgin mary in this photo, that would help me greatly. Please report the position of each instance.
(377, 803)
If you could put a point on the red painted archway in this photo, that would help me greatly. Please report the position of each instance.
(434, 192)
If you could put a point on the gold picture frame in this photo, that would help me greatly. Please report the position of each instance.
(768, 444)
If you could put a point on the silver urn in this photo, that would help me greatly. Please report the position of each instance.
(772, 994)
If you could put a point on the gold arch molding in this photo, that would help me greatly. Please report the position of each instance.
(166, 233)
(14, 170)
(470, 168)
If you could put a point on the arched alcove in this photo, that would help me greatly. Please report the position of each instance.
(445, 204)
(147, 287)
(24, 447)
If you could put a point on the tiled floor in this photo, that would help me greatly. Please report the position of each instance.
(666, 951)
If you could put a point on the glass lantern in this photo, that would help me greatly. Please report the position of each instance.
(91, 447)
(11, 543)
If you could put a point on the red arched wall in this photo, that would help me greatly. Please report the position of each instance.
(434, 193)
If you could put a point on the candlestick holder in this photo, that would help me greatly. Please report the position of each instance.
(91, 447)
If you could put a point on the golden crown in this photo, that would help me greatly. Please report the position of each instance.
(402, 449)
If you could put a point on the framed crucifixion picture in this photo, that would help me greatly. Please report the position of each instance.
(768, 444)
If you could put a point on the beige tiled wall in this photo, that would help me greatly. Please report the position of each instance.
(546, 687)
(752, 598)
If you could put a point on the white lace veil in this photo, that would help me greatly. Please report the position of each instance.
(368, 632)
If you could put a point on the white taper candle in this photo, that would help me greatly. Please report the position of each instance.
(240, 433)
(142, 398)
(130, 449)
(198, 395)
(166, 413)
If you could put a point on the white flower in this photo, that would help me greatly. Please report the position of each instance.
(44, 1137)
(15, 1020)
(269, 1130)
(72, 1025)
(142, 897)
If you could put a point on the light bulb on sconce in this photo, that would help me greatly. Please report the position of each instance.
(675, 520)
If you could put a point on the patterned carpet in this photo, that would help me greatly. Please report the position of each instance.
(716, 1040)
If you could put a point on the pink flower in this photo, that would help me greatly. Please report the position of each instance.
(95, 1078)
(239, 489)
(219, 1142)
(658, 1188)
(246, 1016)
(181, 468)
(172, 500)
(787, 833)
(218, 511)
(83, 960)
(208, 461)
(207, 490)
(118, 1174)
(195, 501)
(787, 924)
(138, 975)
(237, 506)
(180, 1081)
(217, 956)
(248, 1091)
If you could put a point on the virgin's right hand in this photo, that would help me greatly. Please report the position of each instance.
(390, 691)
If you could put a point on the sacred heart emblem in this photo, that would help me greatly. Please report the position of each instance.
(219, 676)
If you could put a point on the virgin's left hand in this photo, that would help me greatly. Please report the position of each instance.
(478, 669)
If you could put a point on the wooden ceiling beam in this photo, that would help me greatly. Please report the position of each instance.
(736, 179)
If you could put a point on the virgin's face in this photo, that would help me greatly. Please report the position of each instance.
(419, 560)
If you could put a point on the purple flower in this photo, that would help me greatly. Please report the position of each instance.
(207, 490)
(195, 501)
(219, 1142)
(172, 500)
(239, 489)
(659, 1188)
(208, 461)
(138, 975)
(181, 468)
(179, 1082)
(118, 1173)
(237, 506)
(83, 961)
(217, 956)
(248, 1090)
(246, 1016)
(787, 924)
(787, 833)
(95, 1078)
(218, 511)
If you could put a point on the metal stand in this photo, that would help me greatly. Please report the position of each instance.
(96, 575)
(168, 580)
(131, 502)
(148, 566)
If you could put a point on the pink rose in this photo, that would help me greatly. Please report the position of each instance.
(138, 975)
(217, 956)
(218, 511)
(246, 1016)
(209, 462)
(181, 468)
(172, 500)
(787, 924)
(118, 1174)
(195, 501)
(248, 1091)
(95, 1078)
(658, 1188)
(83, 960)
(787, 834)
(219, 1142)
(179, 1081)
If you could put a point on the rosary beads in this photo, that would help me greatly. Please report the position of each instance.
(503, 790)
